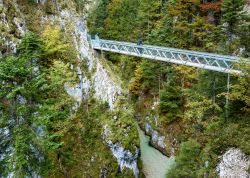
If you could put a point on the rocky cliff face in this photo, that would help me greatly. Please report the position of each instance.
(94, 79)
(104, 87)
(157, 140)
(247, 7)
(234, 163)
(12, 27)
(163, 139)
(125, 158)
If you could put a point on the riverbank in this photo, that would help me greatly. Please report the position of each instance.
(155, 164)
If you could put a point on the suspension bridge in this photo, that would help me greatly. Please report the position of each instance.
(203, 60)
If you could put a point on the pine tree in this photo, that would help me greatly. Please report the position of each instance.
(232, 15)
(240, 94)
(34, 106)
(183, 13)
(135, 85)
(149, 17)
(170, 103)
(187, 161)
(96, 21)
(118, 23)
(244, 33)
(19, 96)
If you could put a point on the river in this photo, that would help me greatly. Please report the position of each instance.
(155, 164)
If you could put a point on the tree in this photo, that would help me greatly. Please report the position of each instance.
(153, 75)
(135, 84)
(187, 162)
(149, 15)
(240, 94)
(19, 96)
(96, 21)
(34, 106)
(81, 4)
(170, 103)
(183, 12)
(232, 15)
(53, 115)
(118, 23)
(244, 33)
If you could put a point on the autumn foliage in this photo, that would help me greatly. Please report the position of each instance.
(211, 6)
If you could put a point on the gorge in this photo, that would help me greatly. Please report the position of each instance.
(67, 110)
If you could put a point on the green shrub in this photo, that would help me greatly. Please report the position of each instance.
(187, 162)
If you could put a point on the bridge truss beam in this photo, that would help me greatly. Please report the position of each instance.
(209, 61)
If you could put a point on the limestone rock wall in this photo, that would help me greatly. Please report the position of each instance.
(234, 164)
(157, 140)
(94, 79)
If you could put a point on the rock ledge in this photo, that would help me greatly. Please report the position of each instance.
(234, 164)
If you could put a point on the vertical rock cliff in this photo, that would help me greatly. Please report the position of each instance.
(95, 81)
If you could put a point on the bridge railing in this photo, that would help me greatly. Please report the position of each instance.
(209, 61)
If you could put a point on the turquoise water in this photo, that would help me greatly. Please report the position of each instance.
(155, 164)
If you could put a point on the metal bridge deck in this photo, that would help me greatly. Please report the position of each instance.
(209, 61)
